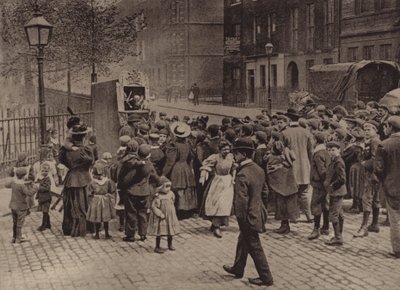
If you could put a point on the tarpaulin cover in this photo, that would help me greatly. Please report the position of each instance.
(391, 99)
(332, 81)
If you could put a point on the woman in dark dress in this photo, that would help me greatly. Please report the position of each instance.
(78, 160)
(178, 168)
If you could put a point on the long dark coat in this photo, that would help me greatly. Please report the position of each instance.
(387, 169)
(250, 197)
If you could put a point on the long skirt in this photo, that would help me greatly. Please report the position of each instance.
(286, 207)
(186, 199)
(75, 208)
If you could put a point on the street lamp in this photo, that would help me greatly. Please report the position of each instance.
(38, 31)
(269, 47)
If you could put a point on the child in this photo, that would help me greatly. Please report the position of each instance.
(281, 181)
(101, 206)
(23, 162)
(319, 164)
(335, 186)
(20, 191)
(44, 196)
(163, 219)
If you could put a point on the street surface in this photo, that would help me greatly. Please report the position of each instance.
(51, 261)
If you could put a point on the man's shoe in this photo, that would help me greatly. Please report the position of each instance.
(354, 210)
(259, 282)
(108, 237)
(96, 237)
(314, 235)
(159, 251)
(143, 238)
(362, 232)
(283, 230)
(128, 239)
(41, 228)
(334, 242)
(395, 255)
(171, 248)
(373, 228)
(232, 272)
(217, 233)
(121, 228)
(324, 232)
(13, 240)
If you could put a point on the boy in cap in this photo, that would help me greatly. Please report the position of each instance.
(335, 185)
(319, 205)
(370, 198)
(20, 191)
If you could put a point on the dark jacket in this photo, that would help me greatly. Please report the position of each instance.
(135, 176)
(19, 192)
(387, 169)
(250, 197)
(335, 181)
(78, 162)
(44, 193)
(319, 166)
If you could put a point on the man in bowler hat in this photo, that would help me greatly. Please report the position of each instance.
(250, 213)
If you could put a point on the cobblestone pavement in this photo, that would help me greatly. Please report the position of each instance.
(51, 261)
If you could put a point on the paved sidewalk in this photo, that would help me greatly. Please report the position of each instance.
(51, 261)
(212, 109)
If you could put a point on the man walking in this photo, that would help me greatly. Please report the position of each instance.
(387, 169)
(250, 213)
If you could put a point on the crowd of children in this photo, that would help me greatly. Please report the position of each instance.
(158, 166)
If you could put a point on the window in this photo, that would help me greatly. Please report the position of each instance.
(294, 28)
(362, 6)
(368, 52)
(328, 60)
(310, 26)
(309, 64)
(329, 19)
(382, 4)
(271, 24)
(236, 78)
(236, 30)
(352, 54)
(257, 20)
(274, 75)
(385, 51)
(262, 76)
(176, 12)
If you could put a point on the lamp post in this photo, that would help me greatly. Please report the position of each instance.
(269, 47)
(38, 32)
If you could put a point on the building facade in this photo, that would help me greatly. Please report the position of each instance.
(182, 45)
(370, 30)
(303, 33)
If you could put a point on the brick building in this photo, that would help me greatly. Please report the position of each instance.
(182, 45)
(304, 33)
(370, 30)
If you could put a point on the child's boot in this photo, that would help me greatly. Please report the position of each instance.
(106, 230)
(14, 234)
(337, 240)
(97, 235)
(157, 249)
(374, 227)
(48, 224)
(170, 246)
(43, 225)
